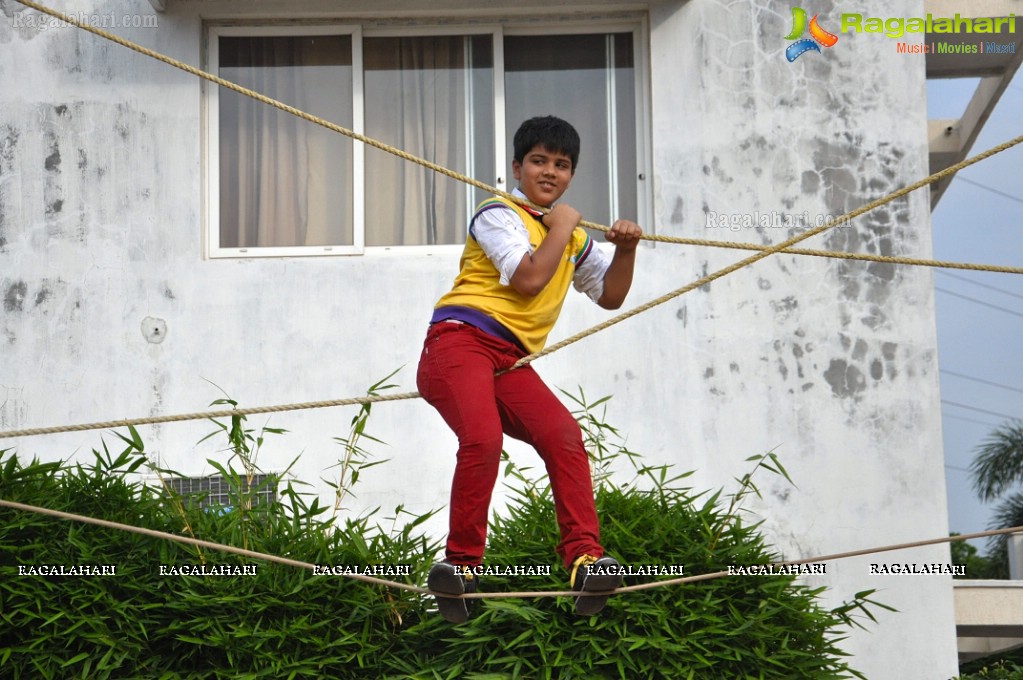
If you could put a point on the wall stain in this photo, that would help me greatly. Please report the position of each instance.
(715, 170)
(859, 349)
(784, 307)
(14, 299)
(52, 162)
(845, 379)
(3, 233)
(43, 295)
(810, 182)
(8, 143)
(678, 212)
(52, 187)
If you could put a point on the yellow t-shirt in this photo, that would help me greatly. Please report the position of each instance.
(478, 284)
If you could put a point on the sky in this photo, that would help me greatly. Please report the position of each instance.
(979, 314)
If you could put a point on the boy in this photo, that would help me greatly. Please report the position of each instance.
(515, 271)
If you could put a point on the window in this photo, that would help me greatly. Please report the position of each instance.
(216, 492)
(279, 185)
(283, 181)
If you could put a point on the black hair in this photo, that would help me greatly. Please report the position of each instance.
(549, 132)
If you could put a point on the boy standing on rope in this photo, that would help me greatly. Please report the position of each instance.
(516, 268)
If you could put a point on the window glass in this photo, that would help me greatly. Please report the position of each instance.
(433, 97)
(285, 181)
(589, 81)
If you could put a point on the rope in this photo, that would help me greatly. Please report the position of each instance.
(842, 255)
(497, 595)
(768, 250)
(201, 415)
(205, 75)
(764, 251)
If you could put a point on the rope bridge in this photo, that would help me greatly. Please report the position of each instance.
(761, 253)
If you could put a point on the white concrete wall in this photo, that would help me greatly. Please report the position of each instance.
(831, 364)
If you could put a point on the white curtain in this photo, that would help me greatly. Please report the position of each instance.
(283, 180)
(416, 100)
(262, 150)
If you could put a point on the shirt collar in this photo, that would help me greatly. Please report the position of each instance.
(538, 214)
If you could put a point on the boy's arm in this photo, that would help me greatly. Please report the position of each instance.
(536, 269)
(618, 279)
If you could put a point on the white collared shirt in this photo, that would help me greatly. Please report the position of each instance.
(504, 239)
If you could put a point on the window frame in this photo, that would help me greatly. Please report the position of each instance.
(212, 142)
(499, 30)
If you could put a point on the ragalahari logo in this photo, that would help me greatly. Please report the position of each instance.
(818, 36)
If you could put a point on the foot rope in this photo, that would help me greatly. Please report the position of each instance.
(210, 545)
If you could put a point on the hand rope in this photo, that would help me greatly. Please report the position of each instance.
(205, 75)
(768, 250)
(201, 415)
(210, 545)
(764, 251)
(771, 250)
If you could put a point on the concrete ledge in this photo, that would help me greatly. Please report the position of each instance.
(989, 617)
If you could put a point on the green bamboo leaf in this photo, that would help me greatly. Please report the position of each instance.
(75, 659)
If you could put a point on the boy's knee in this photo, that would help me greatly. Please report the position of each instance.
(484, 442)
(559, 435)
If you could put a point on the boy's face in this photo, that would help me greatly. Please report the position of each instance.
(543, 175)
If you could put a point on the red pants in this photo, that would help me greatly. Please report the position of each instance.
(456, 376)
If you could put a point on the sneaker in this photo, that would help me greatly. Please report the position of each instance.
(593, 574)
(452, 579)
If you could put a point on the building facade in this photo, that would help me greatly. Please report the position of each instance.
(165, 242)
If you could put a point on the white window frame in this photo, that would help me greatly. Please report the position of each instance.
(498, 31)
(212, 144)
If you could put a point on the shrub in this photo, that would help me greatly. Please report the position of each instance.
(284, 622)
